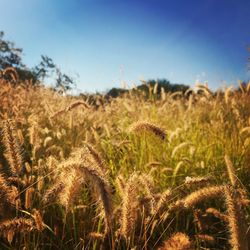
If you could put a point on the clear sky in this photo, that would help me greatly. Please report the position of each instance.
(109, 41)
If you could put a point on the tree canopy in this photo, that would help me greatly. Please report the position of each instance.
(11, 57)
(150, 84)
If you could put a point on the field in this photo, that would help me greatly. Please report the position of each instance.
(168, 171)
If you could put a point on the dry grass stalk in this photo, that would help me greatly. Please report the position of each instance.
(231, 171)
(97, 157)
(236, 221)
(96, 236)
(200, 220)
(16, 181)
(47, 141)
(29, 197)
(129, 207)
(137, 194)
(120, 183)
(164, 197)
(193, 181)
(70, 107)
(141, 126)
(76, 104)
(201, 195)
(72, 184)
(227, 94)
(153, 163)
(11, 72)
(179, 147)
(40, 183)
(178, 241)
(12, 148)
(9, 228)
(217, 214)
(206, 238)
(243, 197)
(38, 220)
(53, 192)
(7, 194)
(103, 188)
(147, 184)
(81, 168)
(176, 94)
(205, 89)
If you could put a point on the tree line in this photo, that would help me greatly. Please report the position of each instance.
(11, 57)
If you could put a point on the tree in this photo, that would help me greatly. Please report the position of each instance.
(47, 68)
(162, 84)
(144, 88)
(11, 56)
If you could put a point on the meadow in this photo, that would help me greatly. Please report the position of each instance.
(166, 171)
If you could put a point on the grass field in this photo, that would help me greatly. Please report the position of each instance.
(169, 171)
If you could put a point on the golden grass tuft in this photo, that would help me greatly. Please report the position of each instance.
(9, 228)
(141, 126)
(139, 195)
(12, 148)
(8, 194)
(201, 195)
(230, 170)
(196, 181)
(38, 220)
(96, 156)
(70, 107)
(205, 238)
(53, 192)
(29, 197)
(96, 236)
(236, 221)
(178, 241)
(217, 214)
(129, 207)
(73, 182)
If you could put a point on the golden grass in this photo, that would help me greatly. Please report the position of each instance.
(77, 178)
(178, 241)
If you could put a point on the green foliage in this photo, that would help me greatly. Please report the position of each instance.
(147, 88)
(11, 57)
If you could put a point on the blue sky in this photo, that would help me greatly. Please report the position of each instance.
(106, 42)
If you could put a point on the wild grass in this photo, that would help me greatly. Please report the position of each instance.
(134, 172)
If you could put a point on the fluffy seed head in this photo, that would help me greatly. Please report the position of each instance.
(178, 241)
(141, 126)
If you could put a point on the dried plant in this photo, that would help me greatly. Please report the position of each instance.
(129, 207)
(97, 158)
(9, 228)
(12, 148)
(196, 181)
(38, 220)
(104, 191)
(70, 107)
(201, 195)
(216, 213)
(57, 191)
(236, 221)
(141, 126)
(178, 241)
(206, 238)
(231, 171)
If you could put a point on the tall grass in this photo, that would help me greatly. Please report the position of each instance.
(127, 173)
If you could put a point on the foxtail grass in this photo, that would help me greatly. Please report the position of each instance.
(141, 126)
(236, 220)
(12, 148)
(178, 241)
